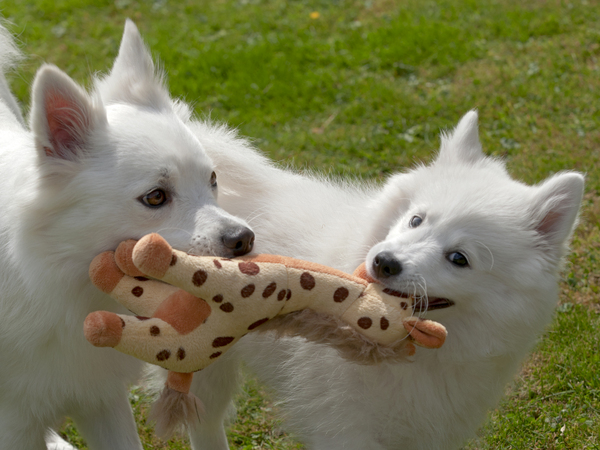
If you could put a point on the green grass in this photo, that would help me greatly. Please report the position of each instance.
(364, 90)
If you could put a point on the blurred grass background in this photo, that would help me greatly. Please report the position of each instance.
(363, 88)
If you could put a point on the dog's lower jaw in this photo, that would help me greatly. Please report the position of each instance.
(423, 303)
(431, 304)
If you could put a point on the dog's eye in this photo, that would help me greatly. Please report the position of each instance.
(155, 198)
(415, 221)
(458, 259)
(213, 180)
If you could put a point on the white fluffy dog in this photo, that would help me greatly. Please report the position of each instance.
(94, 170)
(481, 250)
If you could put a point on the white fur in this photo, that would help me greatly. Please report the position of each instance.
(55, 442)
(9, 56)
(72, 188)
(514, 236)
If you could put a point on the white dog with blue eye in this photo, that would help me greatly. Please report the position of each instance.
(481, 250)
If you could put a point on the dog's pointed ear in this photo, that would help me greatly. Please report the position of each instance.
(463, 144)
(62, 115)
(133, 78)
(554, 210)
(134, 58)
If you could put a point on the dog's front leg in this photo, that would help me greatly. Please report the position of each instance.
(55, 442)
(352, 441)
(109, 426)
(215, 386)
(18, 429)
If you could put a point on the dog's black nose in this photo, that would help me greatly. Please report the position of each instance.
(240, 240)
(386, 265)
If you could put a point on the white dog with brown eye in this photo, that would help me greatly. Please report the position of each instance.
(94, 170)
(482, 250)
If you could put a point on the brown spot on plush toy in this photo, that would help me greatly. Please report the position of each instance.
(322, 304)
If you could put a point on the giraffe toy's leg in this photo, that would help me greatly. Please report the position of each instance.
(128, 335)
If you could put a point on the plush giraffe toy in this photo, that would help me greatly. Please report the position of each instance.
(196, 307)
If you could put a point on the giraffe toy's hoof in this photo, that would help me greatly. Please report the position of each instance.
(153, 255)
(103, 329)
(426, 333)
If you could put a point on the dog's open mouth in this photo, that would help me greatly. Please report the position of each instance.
(422, 305)
(432, 303)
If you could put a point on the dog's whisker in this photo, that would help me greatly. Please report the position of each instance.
(490, 252)
(252, 219)
(255, 214)
(424, 297)
(160, 230)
